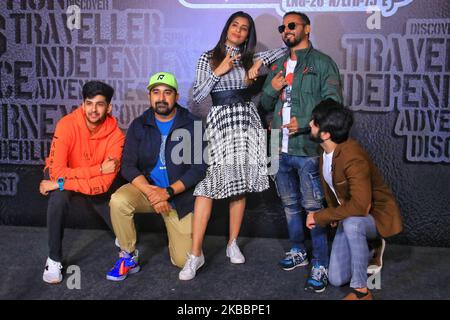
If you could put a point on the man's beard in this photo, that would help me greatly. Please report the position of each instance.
(290, 43)
(162, 108)
(316, 139)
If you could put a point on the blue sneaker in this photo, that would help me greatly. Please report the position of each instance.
(127, 264)
(294, 258)
(318, 279)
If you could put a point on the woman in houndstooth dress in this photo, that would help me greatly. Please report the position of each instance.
(237, 162)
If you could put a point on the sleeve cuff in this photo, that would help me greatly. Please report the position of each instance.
(265, 61)
(130, 176)
(187, 181)
(95, 171)
(214, 77)
(321, 218)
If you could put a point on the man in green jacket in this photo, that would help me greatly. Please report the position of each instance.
(294, 86)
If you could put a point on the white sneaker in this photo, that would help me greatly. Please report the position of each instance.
(52, 272)
(234, 253)
(191, 266)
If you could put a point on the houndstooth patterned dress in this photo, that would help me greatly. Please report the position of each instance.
(237, 161)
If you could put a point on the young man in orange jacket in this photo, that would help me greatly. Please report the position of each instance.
(84, 159)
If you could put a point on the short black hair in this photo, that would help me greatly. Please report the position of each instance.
(303, 16)
(331, 116)
(94, 88)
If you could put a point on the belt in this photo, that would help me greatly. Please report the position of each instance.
(229, 97)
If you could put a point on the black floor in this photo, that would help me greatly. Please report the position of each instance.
(409, 272)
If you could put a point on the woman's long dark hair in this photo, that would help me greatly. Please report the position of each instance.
(247, 48)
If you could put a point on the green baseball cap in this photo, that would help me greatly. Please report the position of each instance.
(163, 78)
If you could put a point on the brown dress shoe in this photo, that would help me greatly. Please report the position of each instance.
(376, 263)
(355, 295)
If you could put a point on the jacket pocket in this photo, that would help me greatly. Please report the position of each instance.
(342, 190)
(309, 83)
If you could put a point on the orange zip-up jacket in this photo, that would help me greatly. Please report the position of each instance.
(76, 155)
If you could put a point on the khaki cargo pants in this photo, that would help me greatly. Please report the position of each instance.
(127, 201)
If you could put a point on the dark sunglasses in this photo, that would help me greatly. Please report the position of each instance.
(291, 26)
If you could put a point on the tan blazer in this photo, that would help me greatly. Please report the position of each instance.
(360, 189)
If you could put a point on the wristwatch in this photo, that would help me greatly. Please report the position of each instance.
(60, 182)
(170, 191)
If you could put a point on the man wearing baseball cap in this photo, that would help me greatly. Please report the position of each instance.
(163, 78)
(161, 178)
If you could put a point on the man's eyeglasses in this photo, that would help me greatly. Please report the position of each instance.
(290, 25)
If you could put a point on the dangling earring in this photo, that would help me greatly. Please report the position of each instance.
(245, 45)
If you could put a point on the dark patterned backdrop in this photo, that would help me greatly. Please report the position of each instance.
(395, 65)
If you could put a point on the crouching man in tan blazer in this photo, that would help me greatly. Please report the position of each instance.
(359, 202)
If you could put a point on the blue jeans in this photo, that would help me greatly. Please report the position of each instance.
(299, 187)
(350, 252)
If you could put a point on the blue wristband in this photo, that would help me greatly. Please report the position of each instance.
(60, 182)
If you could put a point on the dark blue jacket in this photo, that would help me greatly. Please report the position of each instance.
(142, 146)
